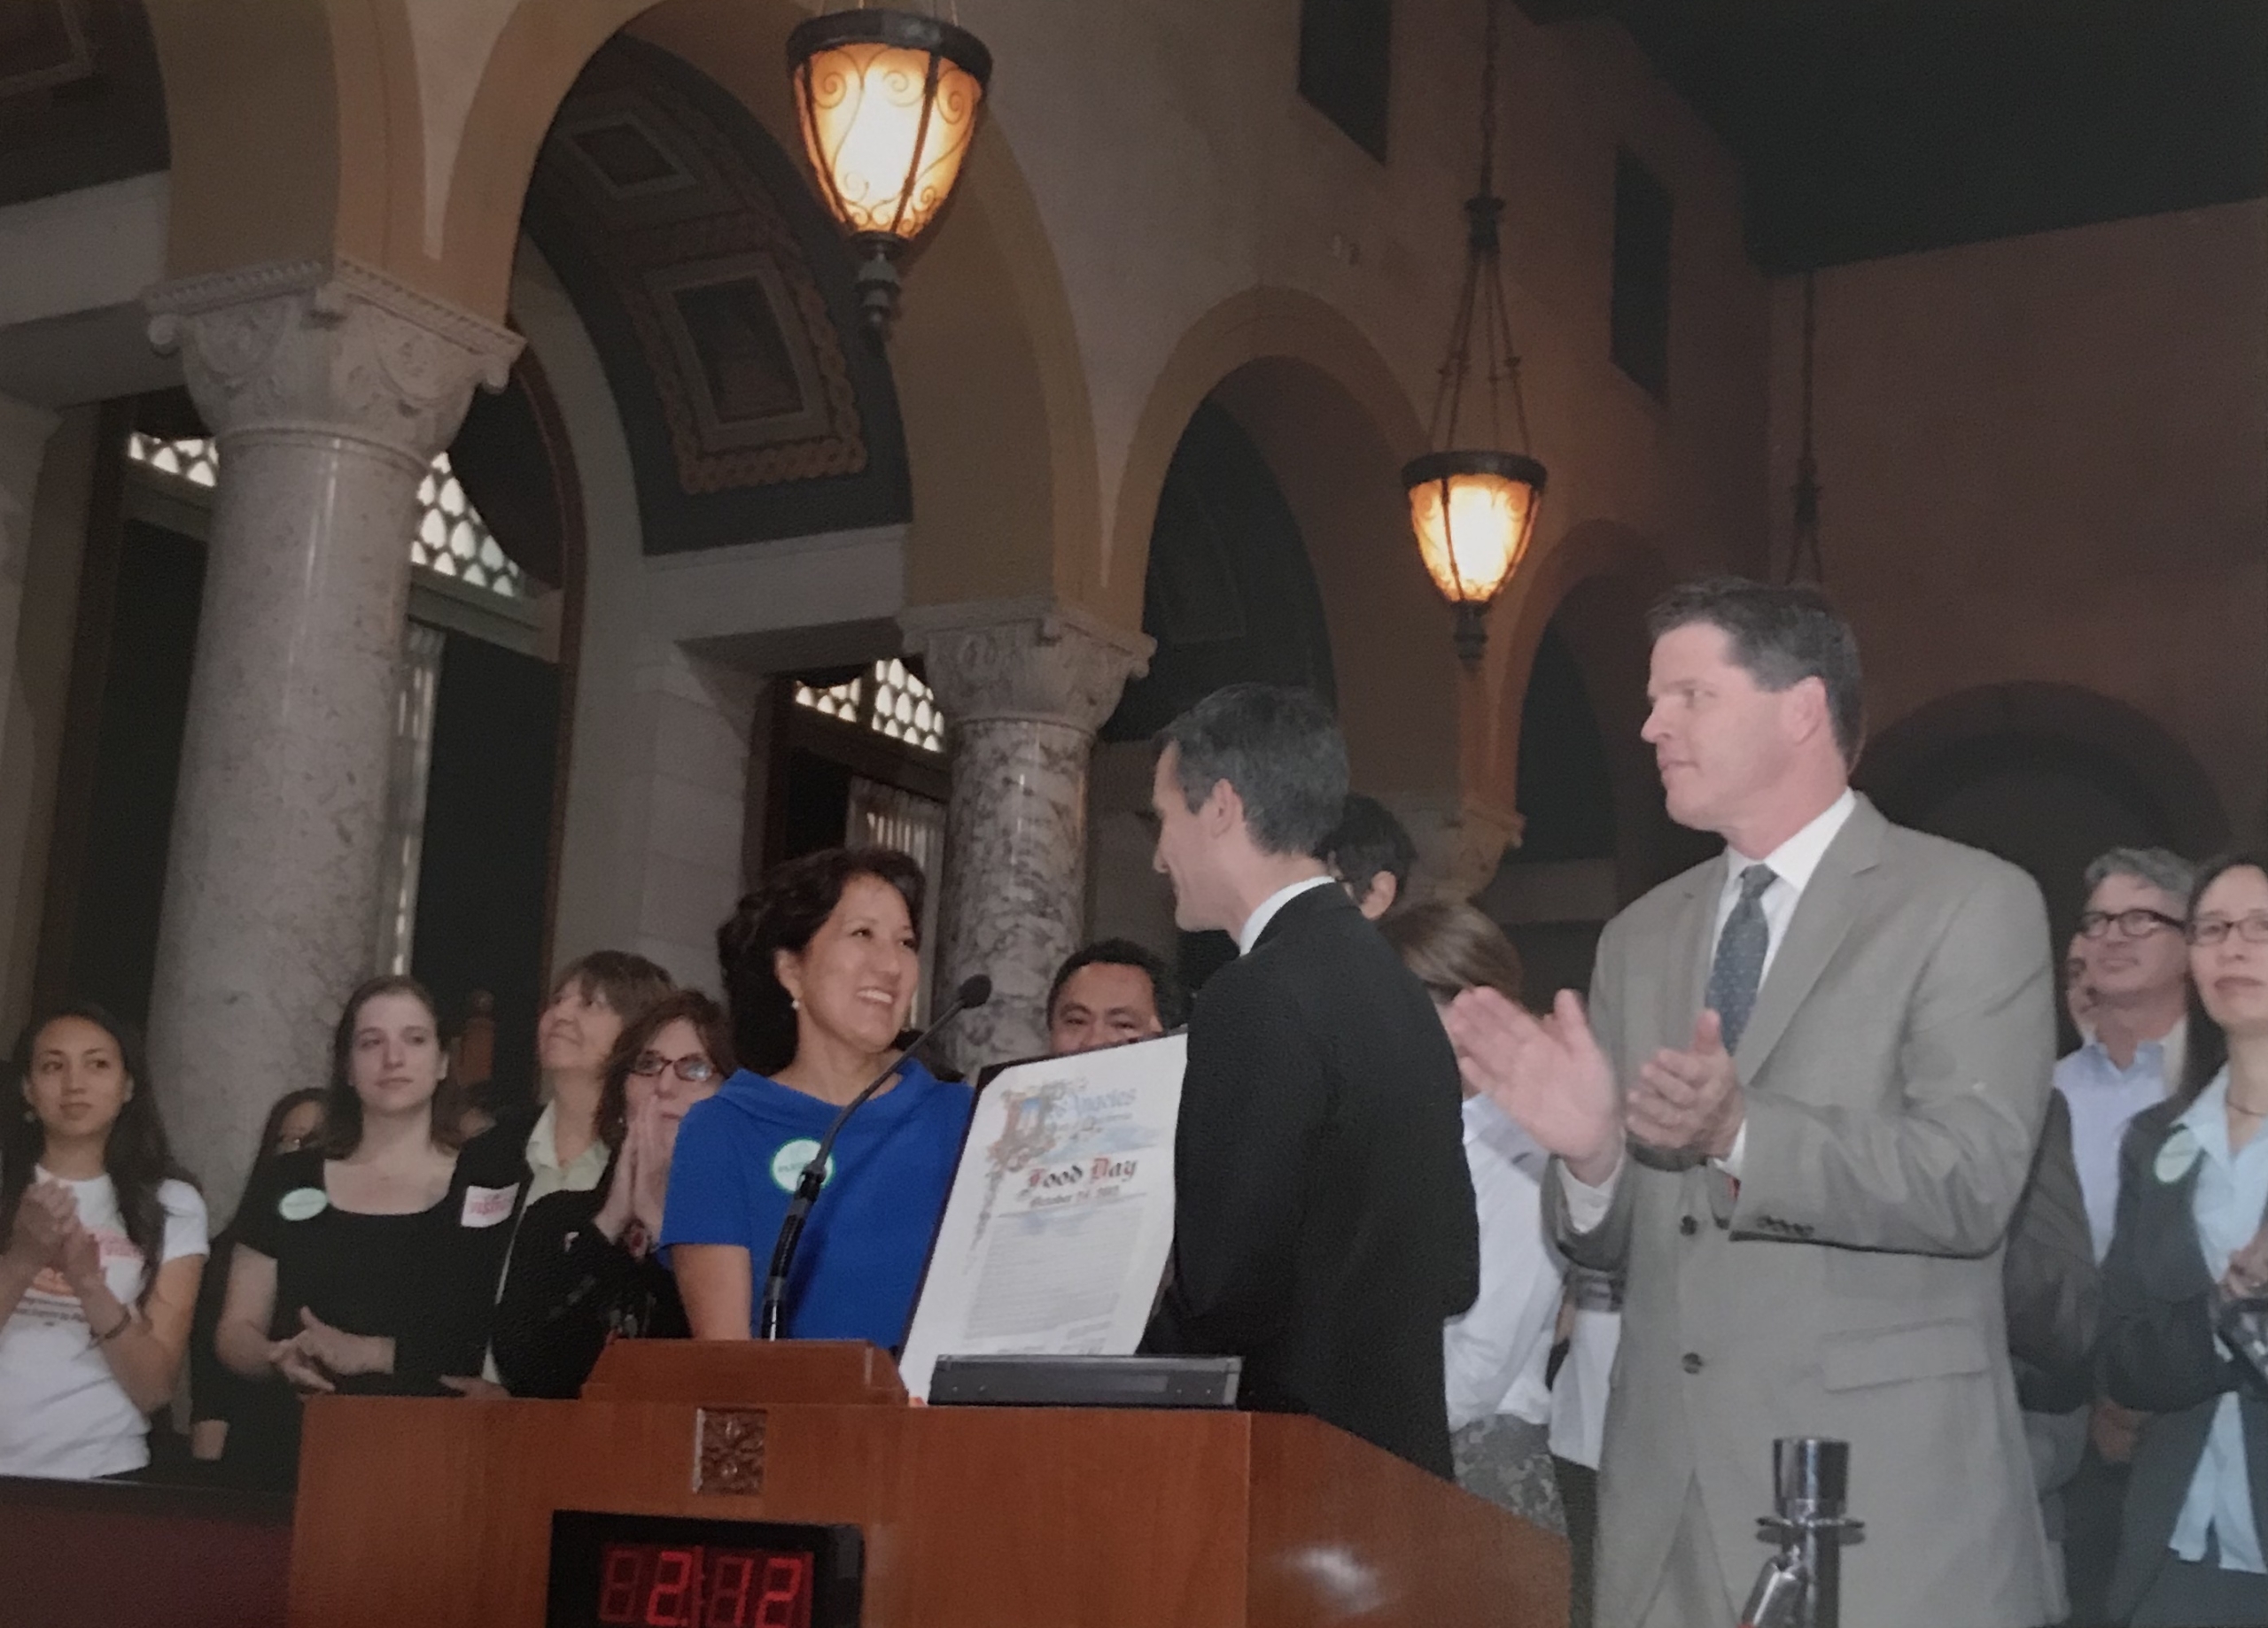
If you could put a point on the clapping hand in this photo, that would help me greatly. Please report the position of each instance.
(46, 1217)
(79, 1257)
(1689, 1102)
(1547, 1074)
(2246, 1276)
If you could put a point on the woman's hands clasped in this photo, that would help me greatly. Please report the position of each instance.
(319, 1356)
(631, 1215)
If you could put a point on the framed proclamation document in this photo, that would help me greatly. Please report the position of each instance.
(1055, 1234)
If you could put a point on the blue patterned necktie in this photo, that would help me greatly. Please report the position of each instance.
(1739, 965)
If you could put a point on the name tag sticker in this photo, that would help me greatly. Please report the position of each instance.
(485, 1206)
(790, 1163)
(302, 1204)
(2178, 1154)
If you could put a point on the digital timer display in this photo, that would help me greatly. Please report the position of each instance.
(660, 1571)
(691, 1585)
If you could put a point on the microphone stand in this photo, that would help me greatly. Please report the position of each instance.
(973, 991)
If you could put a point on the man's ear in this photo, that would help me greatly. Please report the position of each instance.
(1223, 810)
(1807, 714)
(1378, 897)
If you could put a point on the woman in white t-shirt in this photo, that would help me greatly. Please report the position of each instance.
(104, 1244)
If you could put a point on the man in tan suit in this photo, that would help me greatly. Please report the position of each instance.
(1796, 1118)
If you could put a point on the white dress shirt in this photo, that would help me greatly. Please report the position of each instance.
(1792, 864)
(1255, 924)
(2102, 1096)
(1493, 1356)
(1579, 1395)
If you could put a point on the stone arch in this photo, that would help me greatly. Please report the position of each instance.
(1592, 585)
(1334, 425)
(1004, 502)
(2047, 775)
(402, 133)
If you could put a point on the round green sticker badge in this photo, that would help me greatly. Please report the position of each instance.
(789, 1164)
(302, 1204)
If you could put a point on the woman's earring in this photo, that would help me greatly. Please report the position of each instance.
(795, 1003)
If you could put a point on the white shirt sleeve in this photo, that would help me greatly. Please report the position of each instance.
(1587, 1206)
(186, 1221)
(1485, 1350)
(1731, 1162)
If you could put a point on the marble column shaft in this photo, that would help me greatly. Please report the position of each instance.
(1024, 687)
(330, 389)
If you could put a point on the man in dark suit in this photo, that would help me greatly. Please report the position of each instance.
(1323, 1218)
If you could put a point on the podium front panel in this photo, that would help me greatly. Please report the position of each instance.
(438, 1513)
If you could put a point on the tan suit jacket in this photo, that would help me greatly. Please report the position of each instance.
(1896, 1071)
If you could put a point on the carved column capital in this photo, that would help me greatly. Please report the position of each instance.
(328, 346)
(1460, 841)
(1032, 660)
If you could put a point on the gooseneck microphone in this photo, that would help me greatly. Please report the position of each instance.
(974, 992)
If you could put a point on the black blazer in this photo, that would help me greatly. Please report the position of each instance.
(570, 1292)
(2158, 1353)
(2049, 1278)
(1324, 1222)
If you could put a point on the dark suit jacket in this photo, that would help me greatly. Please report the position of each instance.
(2049, 1277)
(1323, 1221)
(2159, 1353)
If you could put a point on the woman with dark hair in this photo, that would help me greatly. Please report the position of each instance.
(353, 1270)
(221, 1407)
(830, 941)
(586, 1269)
(104, 1243)
(553, 1144)
(1494, 1355)
(2191, 1246)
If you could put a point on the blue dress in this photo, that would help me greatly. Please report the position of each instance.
(867, 1241)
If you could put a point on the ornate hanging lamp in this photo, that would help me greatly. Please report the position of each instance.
(887, 103)
(1473, 504)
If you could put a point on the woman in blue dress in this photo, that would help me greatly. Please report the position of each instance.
(821, 966)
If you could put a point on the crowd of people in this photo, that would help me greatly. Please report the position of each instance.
(1711, 1206)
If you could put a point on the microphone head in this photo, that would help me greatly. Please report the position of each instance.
(975, 990)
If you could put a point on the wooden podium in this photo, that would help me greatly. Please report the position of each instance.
(429, 1514)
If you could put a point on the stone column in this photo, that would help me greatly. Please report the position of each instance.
(24, 433)
(331, 388)
(1024, 686)
(24, 430)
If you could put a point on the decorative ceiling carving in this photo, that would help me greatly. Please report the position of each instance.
(716, 293)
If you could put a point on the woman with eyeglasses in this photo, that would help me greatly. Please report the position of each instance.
(585, 1269)
(2190, 1243)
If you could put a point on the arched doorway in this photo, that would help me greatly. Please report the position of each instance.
(1230, 596)
(1595, 835)
(2047, 776)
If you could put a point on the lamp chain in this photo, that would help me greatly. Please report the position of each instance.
(1805, 562)
(1483, 292)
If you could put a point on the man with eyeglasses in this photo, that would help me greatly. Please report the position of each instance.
(2137, 973)
(2138, 970)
